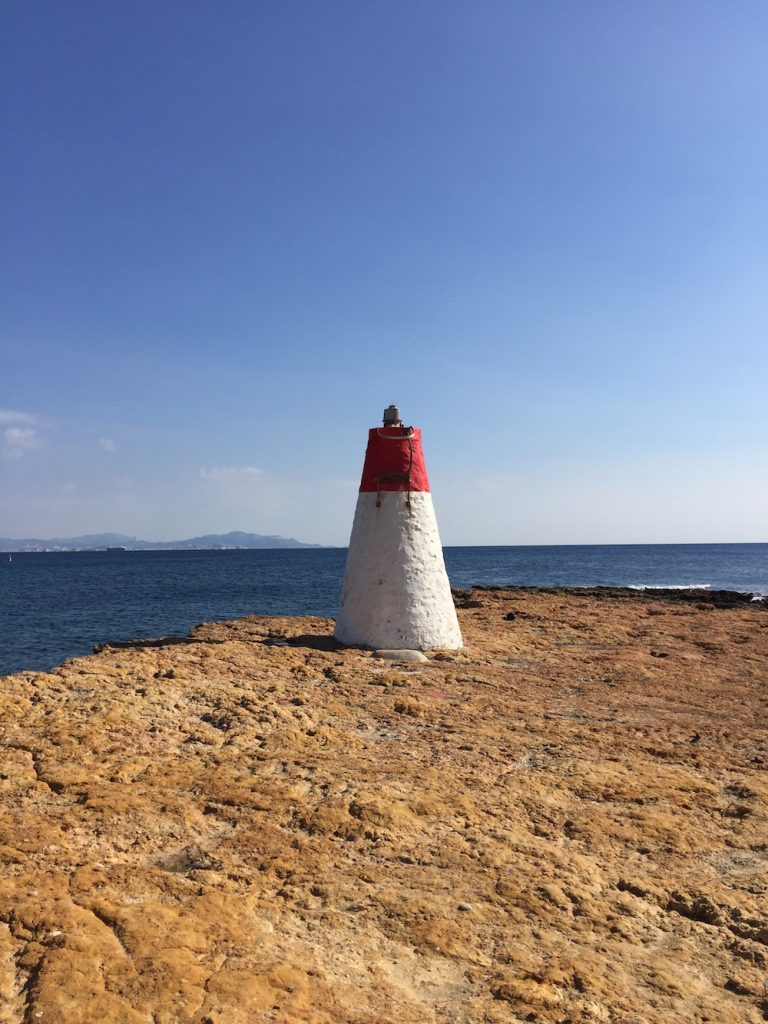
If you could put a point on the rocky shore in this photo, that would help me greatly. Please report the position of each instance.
(566, 821)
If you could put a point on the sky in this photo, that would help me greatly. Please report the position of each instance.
(232, 233)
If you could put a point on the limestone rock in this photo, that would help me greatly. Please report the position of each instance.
(238, 827)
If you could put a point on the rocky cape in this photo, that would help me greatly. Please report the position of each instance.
(566, 821)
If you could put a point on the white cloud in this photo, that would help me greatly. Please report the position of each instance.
(14, 416)
(107, 444)
(230, 474)
(21, 435)
(17, 440)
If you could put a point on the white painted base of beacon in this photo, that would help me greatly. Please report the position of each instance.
(396, 592)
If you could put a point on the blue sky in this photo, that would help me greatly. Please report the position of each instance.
(233, 232)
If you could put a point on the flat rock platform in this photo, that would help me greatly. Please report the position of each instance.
(564, 822)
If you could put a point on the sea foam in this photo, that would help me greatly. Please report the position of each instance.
(669, 586)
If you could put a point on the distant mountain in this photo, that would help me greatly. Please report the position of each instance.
(99, 541)
(237, 539)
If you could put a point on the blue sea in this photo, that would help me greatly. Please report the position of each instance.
(55, 605)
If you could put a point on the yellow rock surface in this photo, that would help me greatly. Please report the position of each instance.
(564, 822)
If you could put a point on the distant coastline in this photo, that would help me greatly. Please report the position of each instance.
(118, 543)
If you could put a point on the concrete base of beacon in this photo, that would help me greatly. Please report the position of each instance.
(396, 592)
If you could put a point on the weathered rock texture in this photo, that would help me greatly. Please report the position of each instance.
(563, 822)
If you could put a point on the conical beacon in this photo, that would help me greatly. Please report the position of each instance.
(396, 593)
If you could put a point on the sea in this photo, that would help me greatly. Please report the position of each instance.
(55, 605)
